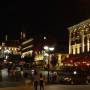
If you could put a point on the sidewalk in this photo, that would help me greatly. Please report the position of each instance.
(17, 88)
(22, 87)
(15, 85)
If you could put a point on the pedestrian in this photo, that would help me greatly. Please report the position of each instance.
(41, 81)
(35, 83)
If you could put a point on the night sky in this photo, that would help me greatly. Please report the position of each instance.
(42, 18)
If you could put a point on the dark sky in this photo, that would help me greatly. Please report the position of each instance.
(40, 18)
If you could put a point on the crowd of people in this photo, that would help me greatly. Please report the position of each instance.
(21, 73)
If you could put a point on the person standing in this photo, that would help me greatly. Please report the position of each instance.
(41, 81)
(35, 80)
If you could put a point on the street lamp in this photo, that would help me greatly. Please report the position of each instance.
(51, 48)
(48, 49)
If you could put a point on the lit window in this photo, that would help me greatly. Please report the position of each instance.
(15, 49)
(9, 48)
(12, 48)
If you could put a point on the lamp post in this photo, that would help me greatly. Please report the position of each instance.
(48, 50)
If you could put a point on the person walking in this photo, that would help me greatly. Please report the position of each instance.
(41, 81)
(35, 80)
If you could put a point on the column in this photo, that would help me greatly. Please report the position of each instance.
(74, 49)
(78, 48)
(83, 48)
(88, 44)
(70, 42)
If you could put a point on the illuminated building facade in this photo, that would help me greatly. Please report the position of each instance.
(11, 50)
(8, 48)
(79, 38)
(27, 47)
(61, 57)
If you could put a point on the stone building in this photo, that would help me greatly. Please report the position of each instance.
(79, 38)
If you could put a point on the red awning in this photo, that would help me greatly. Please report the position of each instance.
(71, 59)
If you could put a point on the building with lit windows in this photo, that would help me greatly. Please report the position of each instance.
(27, 47)
(79, 38)
(61, 57)
(10, 47)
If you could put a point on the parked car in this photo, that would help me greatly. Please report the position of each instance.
(73, 76)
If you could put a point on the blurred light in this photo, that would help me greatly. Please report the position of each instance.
(4, 73)
(83, 62)
(22, 56)
(75, 72)
(71, 61)
(88, 64)
(46, 47)
(7, 51)
(45, 38)
(0, 48)
(6, 57)
(4, 60)
(46, 54)
(33, 71)
(15, 49)
(12, 48)
(24, 35)
(76, 64)
(9, 48)
(3, 44)
(51, 48)
(30, 46)
(27, 41)
(10, 62)
(5, 48)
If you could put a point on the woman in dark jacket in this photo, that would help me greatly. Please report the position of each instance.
(35, 80)
(41, 80)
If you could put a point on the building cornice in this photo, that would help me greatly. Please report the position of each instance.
(79, 24)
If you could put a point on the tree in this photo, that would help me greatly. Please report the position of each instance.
(54, 60)
(29, 59)
(14, 58)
